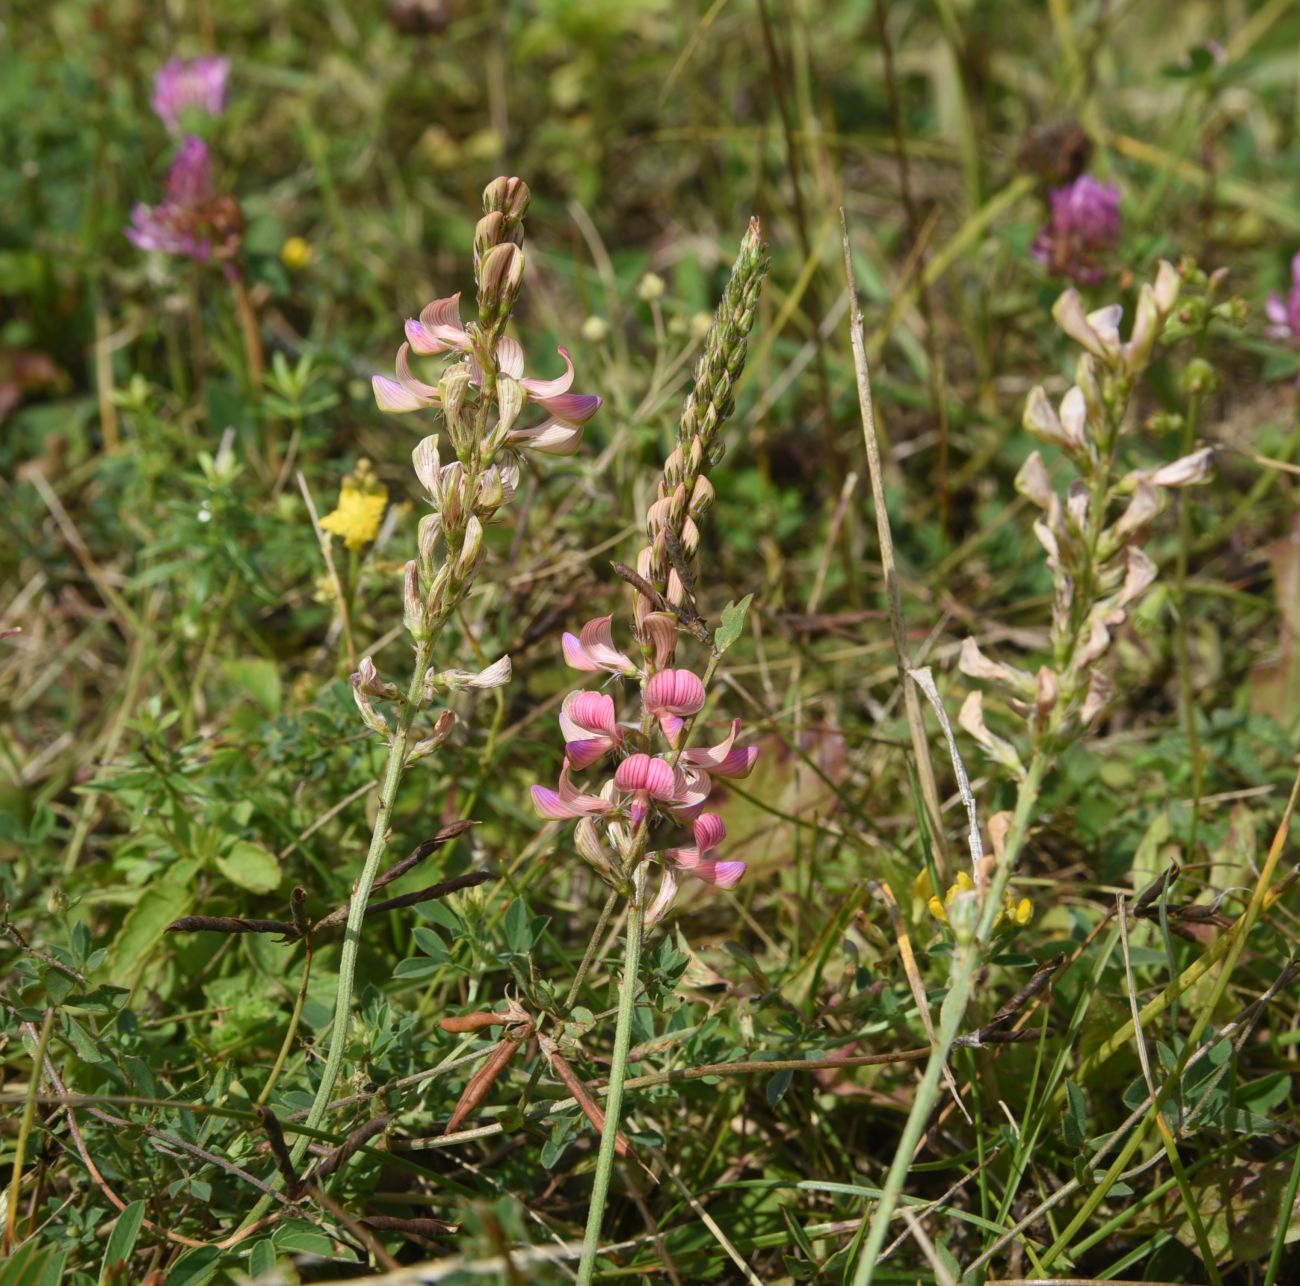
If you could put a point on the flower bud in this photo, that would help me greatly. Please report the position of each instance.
(1189, 471)
(471, 549)
(413, 613)
(367, 680)
(1076, 504)
(586, 839)
(441, 731)
(673, 466)
(651, 287)
(491, 493)
(701, 497)
(370, 716)
(428, 466)
(429, 531)
(964, 916)
(508, 195)
(490, 231)
(1147, 324)
(452, 391)
(510, 401)
(1166, 287)
(1033, 483)
(500, 276)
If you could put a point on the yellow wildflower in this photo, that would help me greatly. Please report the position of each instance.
(296, 253)
(360, 510)
(1015, 912)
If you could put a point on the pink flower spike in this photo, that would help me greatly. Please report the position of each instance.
(589, 727)
(195, 85)
(567, 801)
(541, 390)
(674, 692)
(593, 648)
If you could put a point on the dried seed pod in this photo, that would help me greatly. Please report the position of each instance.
(486, 1076)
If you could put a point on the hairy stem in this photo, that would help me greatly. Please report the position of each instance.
(617, 1074)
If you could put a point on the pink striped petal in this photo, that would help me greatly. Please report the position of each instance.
(510, 357)
(574, 654)
(584, 713)
(725, 875)
(441, 319)
(582, 752)
(597, 642)
(409, 382)
(567, 801)
(420, 339)
(572, 408)
(543, 389)
(554, 437)
(709, 831)
(724, 759)
(392, 397)
(674, 692)
(663, 899)
(647, 773)
(672, 726)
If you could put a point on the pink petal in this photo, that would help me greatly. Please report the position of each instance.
(672, 726)
(674, 692)
(554, 437)
(442, 320)
(582, 752)
(421, 340)
(725, 875)
(738, 764)
(709, 831)
(709, 758)
(542, 389)
(572, 408)
(1276, 310)
(549, 804)
(588, 712)
(392, 397)
(597, 641)
(574, 654)
(510, 357)
(409, 382)
(663, 899)
(647, 773)
(693, 790)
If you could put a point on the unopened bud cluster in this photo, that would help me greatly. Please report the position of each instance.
(685, 493)
(1093, 533)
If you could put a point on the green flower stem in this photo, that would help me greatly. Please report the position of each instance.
(965, 966)
(617, 1074)
(361, 897)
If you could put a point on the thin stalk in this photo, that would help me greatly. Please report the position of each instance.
(25, 1130)
(1181, 649)
(291, 1031)
(361, 896)
(617, 1073)
(965, 966)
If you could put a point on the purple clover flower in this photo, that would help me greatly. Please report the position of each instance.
(187, 86)
(1284, 314)
(1084, 226)
(193, 221)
